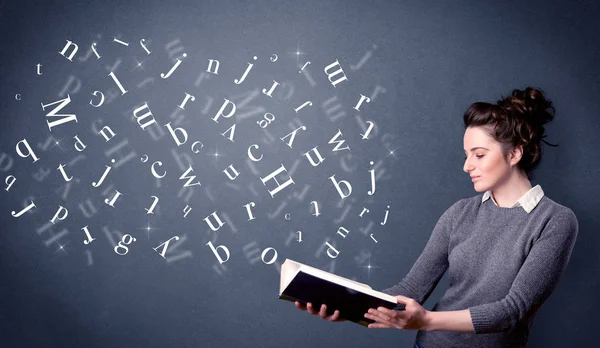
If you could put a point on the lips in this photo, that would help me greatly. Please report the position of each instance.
(473, 178)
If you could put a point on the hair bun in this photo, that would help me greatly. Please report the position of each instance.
(529, 104)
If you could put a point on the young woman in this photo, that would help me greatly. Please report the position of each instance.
(505, 250)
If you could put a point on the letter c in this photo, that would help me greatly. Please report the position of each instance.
(194, 150)
(287, 216)
(250, 153)
(154, 170)
(18, 96)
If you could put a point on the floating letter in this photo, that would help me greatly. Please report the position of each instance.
(173, 68)
(15, 214)
(339, 189)
(64, 117)
(61, 168)
(245, 72)
(88, 235)
(166, 245)
(58, 216)
(279, 186)
(210, 224)
(215, 251)
(112, 74)
(103, 175)
(248, 206)
(372, 171)
(64, 50)
(151, 210)
(330, 75)
(29, 150)
(386, 216)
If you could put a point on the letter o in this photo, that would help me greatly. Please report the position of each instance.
(262, 256)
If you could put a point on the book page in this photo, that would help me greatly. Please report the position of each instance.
(289, 269)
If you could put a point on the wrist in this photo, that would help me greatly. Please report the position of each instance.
(429, 321)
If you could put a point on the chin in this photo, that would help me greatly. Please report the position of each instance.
(479, 188)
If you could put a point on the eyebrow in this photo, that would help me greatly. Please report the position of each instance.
(478, 147)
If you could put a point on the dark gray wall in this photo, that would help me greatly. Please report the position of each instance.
(426, 62)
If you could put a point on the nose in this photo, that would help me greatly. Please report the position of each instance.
(467, 167)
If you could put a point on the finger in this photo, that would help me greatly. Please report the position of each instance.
(377, 315)
(379, 326)
(379, 323)
(299, 305)
(335, 316)
(403, 299)
(310, 309)
(323, 311)
(384, 310)
(390, 312)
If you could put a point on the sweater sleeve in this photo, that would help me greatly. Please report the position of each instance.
(535, 281)
(431, 265)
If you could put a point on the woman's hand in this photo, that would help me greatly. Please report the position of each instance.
(322, 313)
(414, 317)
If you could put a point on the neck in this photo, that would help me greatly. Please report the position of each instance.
(510, 190)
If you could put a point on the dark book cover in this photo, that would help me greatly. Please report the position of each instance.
(352, 304)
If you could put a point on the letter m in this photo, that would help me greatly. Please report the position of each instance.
(62, 118)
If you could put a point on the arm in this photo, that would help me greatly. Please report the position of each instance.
(537, 278)
(455, 321)
(415, 317)
(431, 264)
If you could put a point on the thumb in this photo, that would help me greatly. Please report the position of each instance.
(402, 299)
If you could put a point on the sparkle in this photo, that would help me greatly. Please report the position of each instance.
(391, 153)
(139, 65)
(148, 228)
(368, 267)
(57, 143)
(62, 248)
(215, 155)
(298, 53)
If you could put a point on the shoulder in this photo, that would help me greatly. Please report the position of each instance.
(555, 213)
(462, 207)
(465, 204)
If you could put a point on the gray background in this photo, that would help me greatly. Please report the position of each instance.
(429, 60)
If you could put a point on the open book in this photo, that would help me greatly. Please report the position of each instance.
(300, 282)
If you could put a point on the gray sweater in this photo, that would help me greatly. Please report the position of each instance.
(502, 264)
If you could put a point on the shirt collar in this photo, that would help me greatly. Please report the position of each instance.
(528, 201)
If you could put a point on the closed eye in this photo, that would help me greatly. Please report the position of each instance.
(478, 156)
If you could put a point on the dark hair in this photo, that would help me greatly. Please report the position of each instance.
(515, 120)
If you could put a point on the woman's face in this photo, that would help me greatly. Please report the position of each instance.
(484, 160)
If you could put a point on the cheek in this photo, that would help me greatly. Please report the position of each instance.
(491, 166)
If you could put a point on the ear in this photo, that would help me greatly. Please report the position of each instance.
(516, 154)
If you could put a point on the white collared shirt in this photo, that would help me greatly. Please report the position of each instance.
(528, 201)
